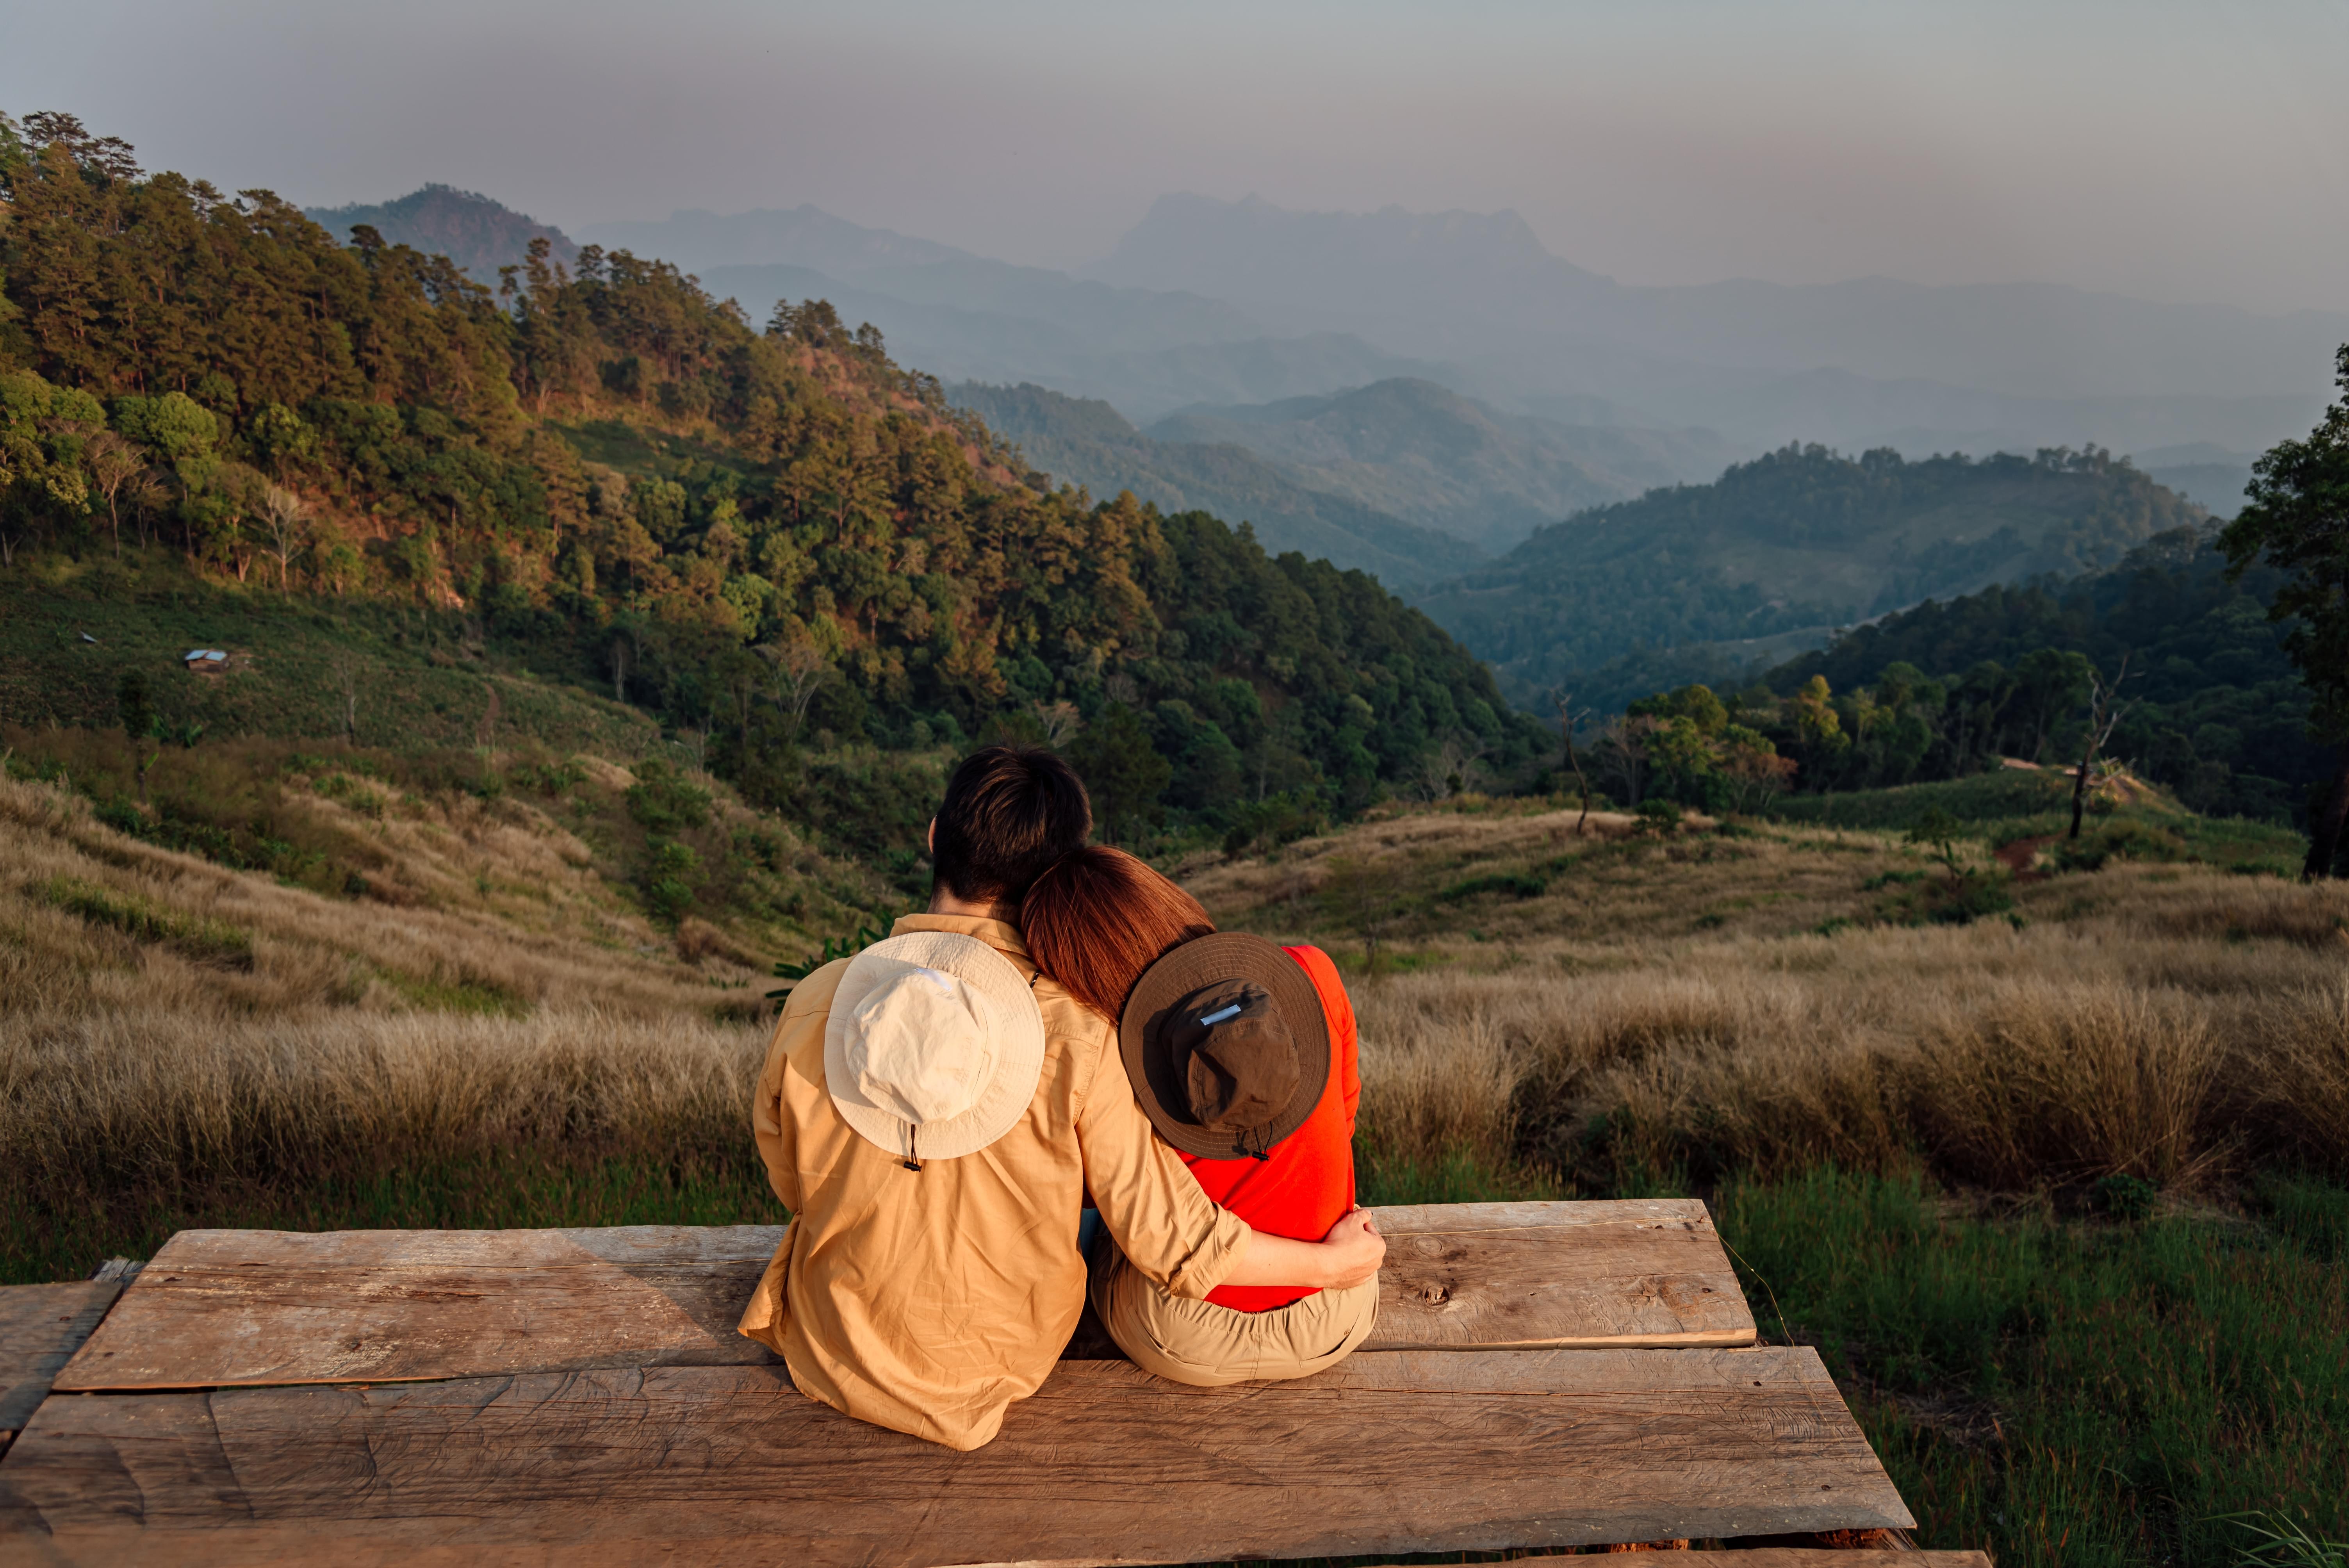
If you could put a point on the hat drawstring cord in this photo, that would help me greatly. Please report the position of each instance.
(913, 1161)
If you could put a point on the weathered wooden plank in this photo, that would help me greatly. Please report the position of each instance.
(227, 1308)
(235, 1308)
(1505, 1275)
(41, 1326)
(1828, 1557)
(1392, 1453)
(1791, 1557)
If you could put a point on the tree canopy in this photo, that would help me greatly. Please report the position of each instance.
(2297, 523)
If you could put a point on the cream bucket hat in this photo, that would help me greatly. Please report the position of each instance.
(933, 1045)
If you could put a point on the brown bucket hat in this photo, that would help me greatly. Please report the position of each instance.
(1226, 1045)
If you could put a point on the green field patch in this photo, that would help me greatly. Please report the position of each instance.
(2090, 1392)
(465, 995)
(144, 919)
(2007, 794)
(1502, 884)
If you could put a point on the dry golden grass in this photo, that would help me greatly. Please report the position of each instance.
(1664, 1004)
(1606, 1006)
(544, 931)
(331, 1033)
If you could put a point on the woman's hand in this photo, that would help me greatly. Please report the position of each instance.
(1356, 1249)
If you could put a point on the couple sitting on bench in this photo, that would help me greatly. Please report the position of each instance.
(1064, 1030)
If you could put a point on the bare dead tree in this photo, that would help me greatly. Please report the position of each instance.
(1060, 721)
(347, 667)
(1568, 715)
(620, 668)
(1445, 772)
(114, 463)
(1624, 745)
(283, 514)
(2105, 711)
(798, 671)
(488, 734)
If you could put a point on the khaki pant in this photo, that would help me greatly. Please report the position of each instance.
(1199, 1343)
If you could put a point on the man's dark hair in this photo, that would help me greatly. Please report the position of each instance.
(1009, 812)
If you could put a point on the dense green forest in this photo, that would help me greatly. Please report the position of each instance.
(773, 541)
(2209, 706)
(1800, 538)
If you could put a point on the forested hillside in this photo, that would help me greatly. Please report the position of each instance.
(2212, 709)
(2185, 664)
(775, 542)
(1802, 537)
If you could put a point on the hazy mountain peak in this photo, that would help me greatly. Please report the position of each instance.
(477, 234)
(803, 236)
(1253, 251)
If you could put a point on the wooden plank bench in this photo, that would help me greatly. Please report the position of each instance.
(234, 1308)
(1393, 1452)
(40, 1326)
(1552, 1376)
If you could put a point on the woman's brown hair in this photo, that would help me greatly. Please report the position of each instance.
(1097, 918)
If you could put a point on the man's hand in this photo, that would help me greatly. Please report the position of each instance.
(1356, 1249)
(1348, 1255)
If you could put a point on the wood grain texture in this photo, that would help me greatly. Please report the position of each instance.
(1791, 1557)
(242, 1308)
(1596, 1274)
(41, 1326)
(1392, 1453)
(229, 1308)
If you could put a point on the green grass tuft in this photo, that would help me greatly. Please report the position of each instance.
(144, 919)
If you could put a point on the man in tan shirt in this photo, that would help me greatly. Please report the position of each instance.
(931, 1274)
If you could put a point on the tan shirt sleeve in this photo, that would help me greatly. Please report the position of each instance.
(1168, 1229)
(799, 1027)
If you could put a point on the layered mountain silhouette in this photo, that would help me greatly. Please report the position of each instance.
(1208, 301)
(1481, 283)
(1085, 441)
(1432, 457)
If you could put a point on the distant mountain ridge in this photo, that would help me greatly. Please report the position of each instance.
(804, 236)
(961, 317)
(1086, 442)
(1426, 454)
(479, 234)
(1472, 285)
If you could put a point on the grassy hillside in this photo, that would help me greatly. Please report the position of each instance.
(1085, 441)
(382, 675)
(1423, 452)
(1802, 537)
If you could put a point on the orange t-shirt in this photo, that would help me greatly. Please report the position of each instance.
(1306, 1184)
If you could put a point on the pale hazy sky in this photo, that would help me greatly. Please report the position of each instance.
(2177, 151)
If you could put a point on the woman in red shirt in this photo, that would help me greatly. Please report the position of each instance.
(1244, 1056)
